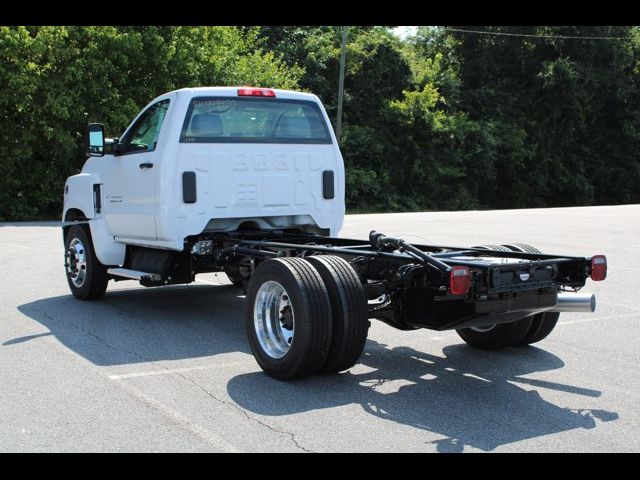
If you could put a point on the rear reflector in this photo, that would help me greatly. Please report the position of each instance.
(459, 280)
(256, 92)
(598, 268)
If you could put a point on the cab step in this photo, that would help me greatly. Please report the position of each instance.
(134, 274)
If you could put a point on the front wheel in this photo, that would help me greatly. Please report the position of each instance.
(86, 276)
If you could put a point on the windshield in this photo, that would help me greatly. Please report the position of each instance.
(253, 120)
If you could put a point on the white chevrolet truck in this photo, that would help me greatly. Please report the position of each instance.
(250, 182)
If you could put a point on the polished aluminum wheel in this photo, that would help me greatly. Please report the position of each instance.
(273, 319)
(76, 262)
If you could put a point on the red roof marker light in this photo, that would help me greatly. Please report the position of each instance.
(459, 280)
(598, 268)
(255, 92)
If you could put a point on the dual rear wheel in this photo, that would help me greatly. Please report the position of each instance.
(519, 333)
(515, 334)
(306, 316)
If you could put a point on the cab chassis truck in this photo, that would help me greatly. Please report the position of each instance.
(250, 182)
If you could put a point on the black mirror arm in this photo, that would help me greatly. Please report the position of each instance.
(113, 145)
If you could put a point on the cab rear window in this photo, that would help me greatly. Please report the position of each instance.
(253, 120)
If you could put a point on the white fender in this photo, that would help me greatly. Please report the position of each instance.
(79, 195)
(108, 251)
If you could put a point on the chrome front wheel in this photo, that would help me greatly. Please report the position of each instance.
(86, 276)
(76, 262)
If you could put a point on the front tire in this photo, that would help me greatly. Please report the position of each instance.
(86, 276)
(288, 318)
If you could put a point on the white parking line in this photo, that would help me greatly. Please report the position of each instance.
(167, 371)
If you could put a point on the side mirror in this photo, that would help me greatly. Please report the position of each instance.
(95, 140)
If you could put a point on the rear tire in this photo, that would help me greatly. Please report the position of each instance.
(497, 336)
(350, 323)
(541, 326)
(543, 323)
(86, 276)
(494, 247)
(239, 272)
(288, 318)
(522, 247)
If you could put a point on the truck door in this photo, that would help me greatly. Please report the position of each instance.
(129, 181)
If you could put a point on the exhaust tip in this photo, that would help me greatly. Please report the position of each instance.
(571, 302)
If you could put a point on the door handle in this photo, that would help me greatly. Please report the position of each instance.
(146, 165)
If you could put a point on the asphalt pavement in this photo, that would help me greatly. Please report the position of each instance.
(169, 369)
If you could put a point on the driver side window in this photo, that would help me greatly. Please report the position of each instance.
(144, 134)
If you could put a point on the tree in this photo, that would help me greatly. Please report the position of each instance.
(55, 79)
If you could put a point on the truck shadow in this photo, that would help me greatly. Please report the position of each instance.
(469, 397)
(145, 324)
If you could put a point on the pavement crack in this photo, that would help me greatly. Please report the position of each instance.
(291, 435)
(140, 358)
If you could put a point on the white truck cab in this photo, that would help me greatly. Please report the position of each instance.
(210, 159)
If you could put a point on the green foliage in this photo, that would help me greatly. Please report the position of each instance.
(443, 120)
(451, 120)
(56, 79)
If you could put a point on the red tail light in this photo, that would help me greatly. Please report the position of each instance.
(598, 268)
(459, 280)
(256, 92)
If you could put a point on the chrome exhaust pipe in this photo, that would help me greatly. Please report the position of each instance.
(570, 302)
